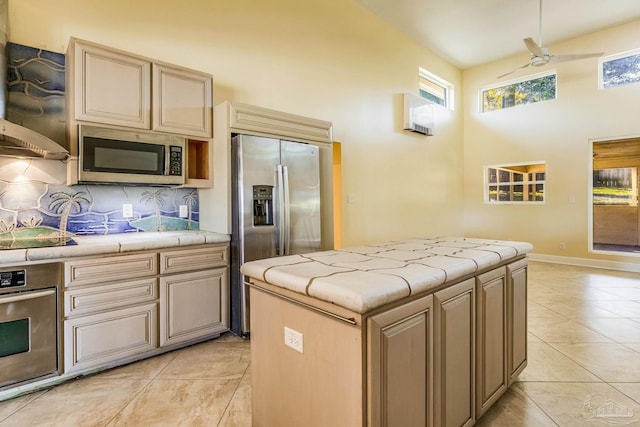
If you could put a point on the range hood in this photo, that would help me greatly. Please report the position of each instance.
(16, 140)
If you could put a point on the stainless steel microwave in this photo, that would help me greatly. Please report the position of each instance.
(114, 156)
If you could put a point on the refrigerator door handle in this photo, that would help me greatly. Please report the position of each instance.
(280, 208)
(285, 212)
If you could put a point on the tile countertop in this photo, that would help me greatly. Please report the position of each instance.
(113, 243)
(365, 277)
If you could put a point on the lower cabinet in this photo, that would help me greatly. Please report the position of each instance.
(192, 305)
(99, 339)
(491, 338)
(454, 355)
(400, 366)
(123, 306)
(516, 319)
(446, 358)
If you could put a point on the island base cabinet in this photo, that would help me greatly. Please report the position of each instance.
(491, 338)
(317, 387)
(193, 305)
(400, 366)
(99, 339)
(454, 355)
(517, 318)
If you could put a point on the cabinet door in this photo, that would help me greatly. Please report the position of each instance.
(517, 318)
(400, 366)
(454, 357)
(182, 101)
(491, 338)
(111, 87)
(97, 340)
(193, 305)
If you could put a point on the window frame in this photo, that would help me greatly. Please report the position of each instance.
(438, 81)
(506, 166)
(613, 57)
(511, 82)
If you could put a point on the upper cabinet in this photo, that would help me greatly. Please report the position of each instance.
(181, 101)
(118, 88)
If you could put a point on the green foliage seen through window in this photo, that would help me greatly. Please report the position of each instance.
(519, 93)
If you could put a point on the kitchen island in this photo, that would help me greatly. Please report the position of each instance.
(424, 332)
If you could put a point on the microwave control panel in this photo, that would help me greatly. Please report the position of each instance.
(175, 160)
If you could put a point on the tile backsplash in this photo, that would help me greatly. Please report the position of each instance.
(35, 203)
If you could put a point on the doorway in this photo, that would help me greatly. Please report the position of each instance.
(616, 214)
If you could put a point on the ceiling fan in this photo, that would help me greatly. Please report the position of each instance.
(541, 56)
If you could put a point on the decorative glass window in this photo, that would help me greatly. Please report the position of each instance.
(515, 183)
(435, 89)
(620, 69)
(540, 88)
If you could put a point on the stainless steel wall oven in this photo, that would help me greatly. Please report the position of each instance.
(28, 323)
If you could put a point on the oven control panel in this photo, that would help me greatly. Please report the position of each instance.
(13, 278)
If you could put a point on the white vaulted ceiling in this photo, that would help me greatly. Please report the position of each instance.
(472, 32)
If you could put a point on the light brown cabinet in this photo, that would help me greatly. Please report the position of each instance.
(110, 309)
(119, 88)
(516, 318)
(454, 355)
(193, 294)
(491, 338)
(111, 87)
(400, 365)
(125, 306)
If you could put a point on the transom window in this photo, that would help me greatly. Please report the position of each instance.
(621, 69)
(520, 92)
(515, 183)
(435, 89)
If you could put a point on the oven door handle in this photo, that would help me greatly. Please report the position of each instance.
(25, 296)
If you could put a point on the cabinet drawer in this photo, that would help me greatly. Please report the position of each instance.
(91, 341)
(193, 259)
(93, 299)
(112, 269)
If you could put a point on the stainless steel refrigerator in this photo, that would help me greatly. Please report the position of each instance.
(275, 208)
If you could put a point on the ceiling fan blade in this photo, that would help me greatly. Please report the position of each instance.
(555, 59)
(533, 47)
(513, 71)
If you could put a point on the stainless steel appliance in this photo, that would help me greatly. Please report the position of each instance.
(120, 156)
(275, 208)
(28, 323)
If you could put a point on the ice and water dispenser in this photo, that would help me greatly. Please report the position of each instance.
(262, 205)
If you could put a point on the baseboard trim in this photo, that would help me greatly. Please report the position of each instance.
(586, 262)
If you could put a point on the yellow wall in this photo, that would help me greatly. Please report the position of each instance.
(328, 59)
(558, 132)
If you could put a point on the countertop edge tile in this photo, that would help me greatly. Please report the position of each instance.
(113, 244)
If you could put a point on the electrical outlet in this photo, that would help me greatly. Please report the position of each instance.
(127, 210)
(562, 246)
(184, 212)
(293, 339)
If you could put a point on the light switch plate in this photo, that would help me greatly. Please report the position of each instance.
(184, 212)
(127, 210)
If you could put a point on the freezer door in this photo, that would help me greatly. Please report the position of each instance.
(254, 164)
(302, 167)
(257, 171)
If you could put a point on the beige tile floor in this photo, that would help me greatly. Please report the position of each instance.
(583, 370)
